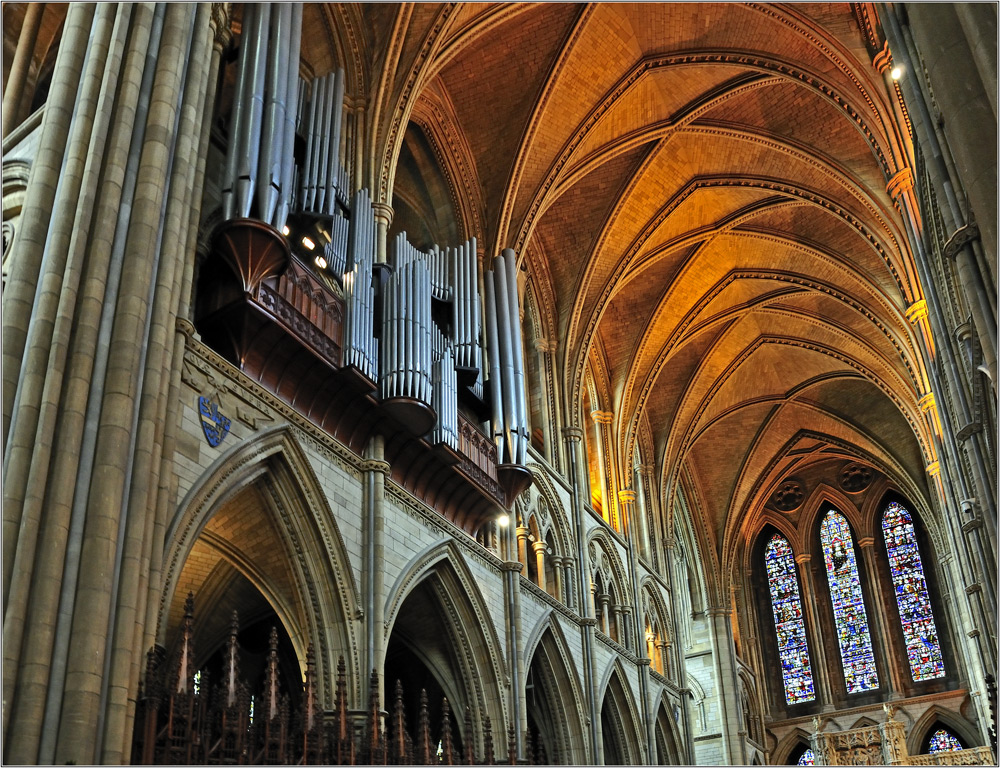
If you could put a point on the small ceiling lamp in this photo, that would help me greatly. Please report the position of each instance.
(320, 261)
(503, 521)
(896, 73)
(308, 243)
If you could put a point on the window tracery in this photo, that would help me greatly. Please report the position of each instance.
(789, 626)
(851, 621)
(906, 568)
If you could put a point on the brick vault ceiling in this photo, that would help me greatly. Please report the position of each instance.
(698, 195)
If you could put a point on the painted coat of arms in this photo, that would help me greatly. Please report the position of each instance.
(214, 424)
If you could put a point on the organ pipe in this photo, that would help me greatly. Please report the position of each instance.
(360, 345)
(293, 109)
(236, 121)
(445, 400)
(249, 140)
(335, 110)
(272, 137)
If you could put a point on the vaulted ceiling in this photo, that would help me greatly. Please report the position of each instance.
(698, 194)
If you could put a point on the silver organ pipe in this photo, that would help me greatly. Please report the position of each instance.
(259, 164)
(336, 110)
(407, 326)
(293, 106)
(465, 306)
(324, 147)
(307, 186)
(272, 134)
(360, 345)
(336, 250)
(445, 400)
(506, 360)
(521, 413)
(238, 114)
(249, 144)
(493, 356)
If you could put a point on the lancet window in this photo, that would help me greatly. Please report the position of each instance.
(906, 568)
(850, 619)
(789, 626)
(943, 740)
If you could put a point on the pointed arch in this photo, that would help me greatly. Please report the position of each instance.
(669, 743)
(792, 743)
(934, 717)
(468, 624)
(325, 594)
(551, 659)
(620, 719)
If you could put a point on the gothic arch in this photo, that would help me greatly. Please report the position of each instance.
(669, 742)
(468, 625)
(618, 713)
(920, 730)
(325, 594)
(550, 655)
(789, 744)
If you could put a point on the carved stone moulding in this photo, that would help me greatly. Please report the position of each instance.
(789, 496)
(855, 477)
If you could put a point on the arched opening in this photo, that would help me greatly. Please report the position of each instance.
(667, 752)
(422, 657)
(552, 701)
(619, 733)
(441, 640)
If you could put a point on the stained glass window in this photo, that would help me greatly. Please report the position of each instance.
(919, 630)
(849, 615)
(944, 740)
(788, 624)
(807, 758)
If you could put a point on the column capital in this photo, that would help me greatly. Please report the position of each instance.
(805, 557)
(383, 213)
(511, 565)
(539, 546)
(547, 346)
(572, 434)
(866, 542)
(901, 181)
(220, 22)
(917, 310)
(602, 417)
(626, 496)
(588, 621)
(375, 465)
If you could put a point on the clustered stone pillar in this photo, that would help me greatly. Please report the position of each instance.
(20, 66)
(576, 464)
(99, 260)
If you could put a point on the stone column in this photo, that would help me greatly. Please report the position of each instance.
(37, 214)
(383, 218)
(539, 549)
(120, 407)
(512, 615)
(821, 677)
(544, 349)
(602, 421)
(574, 461)
(522, 532)
(894, 656)
(602, 601)
(35, 626)
(19, 67)
(728, 691)
(374, 472)
(557, 572)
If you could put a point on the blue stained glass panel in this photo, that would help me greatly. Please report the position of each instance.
(807, 758)
(848, 604)
(788, 624)
(919, 631)
(944, 740)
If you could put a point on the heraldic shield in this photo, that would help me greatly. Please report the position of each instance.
(214, 424)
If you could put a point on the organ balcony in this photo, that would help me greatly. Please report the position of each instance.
(269, 313)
